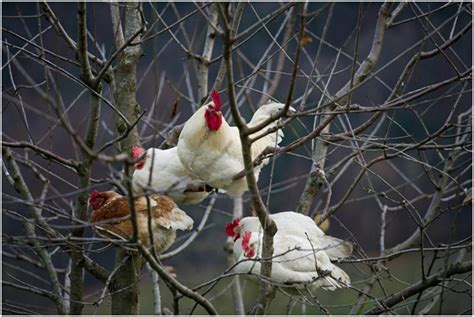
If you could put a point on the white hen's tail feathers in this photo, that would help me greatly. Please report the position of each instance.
(330, 278)
(336, 248)
(335, 278)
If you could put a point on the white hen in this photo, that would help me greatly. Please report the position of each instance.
(299, 225)
(211, 150)
(168, 176)
(297, 268)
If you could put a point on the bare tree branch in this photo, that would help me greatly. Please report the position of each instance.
(435, 279)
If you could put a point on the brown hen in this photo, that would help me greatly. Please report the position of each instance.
(111, 214)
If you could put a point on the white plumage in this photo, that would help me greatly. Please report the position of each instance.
(296, 265)
(168, 177)
(216, 156)
(296, 224)
(302, 253)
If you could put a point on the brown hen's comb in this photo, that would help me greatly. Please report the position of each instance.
(229, 228)
(94, 195)
(216, 99)
(137, 152)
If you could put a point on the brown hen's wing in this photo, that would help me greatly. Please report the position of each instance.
(122, 229)
(114, 209)
(164, 205)
(165, 212)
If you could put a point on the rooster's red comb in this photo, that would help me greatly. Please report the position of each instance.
(229, 228)
(246, 240)
(137, 152)
(216, 99)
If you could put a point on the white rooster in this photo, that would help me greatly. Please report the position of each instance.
(168, 176)
(300, 264)
(295, 224)
(296, 265)
(211, 150)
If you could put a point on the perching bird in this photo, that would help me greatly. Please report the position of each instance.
(168, 176)
(298, 268)
(211, 150)
(295, 224)
(111, 213)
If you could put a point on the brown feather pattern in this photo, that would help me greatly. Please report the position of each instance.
(165, 214)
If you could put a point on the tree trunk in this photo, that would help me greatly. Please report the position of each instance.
(125, 75)
(125, 291)
(124, 86)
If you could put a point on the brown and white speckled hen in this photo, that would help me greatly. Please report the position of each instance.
(111, 214)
